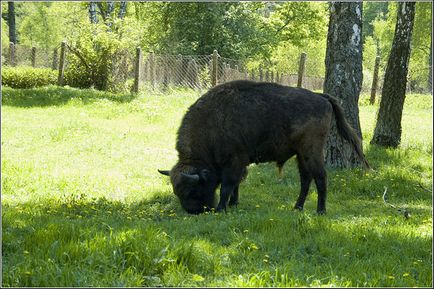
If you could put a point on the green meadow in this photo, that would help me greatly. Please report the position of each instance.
(84, 205)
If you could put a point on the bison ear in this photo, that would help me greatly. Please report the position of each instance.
(204, 174)
(193, 177)
(163, 172)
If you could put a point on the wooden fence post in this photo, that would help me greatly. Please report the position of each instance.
(252, 75)
(375, 80)
(214, 74)
(146, 70)
(137, 71)
(192, 73)
(165, 76)
(54, 65)
(261, 74)
(62, 63)
(272, 76)
(33, 56)
(12, 54)
(224, 72)
(301, 69)
(152, 69)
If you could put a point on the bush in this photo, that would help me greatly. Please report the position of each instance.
(28, 77)
(101, 58)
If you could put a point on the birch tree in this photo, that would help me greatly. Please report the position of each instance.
(388, 127)
(343, 77)
(11, 22)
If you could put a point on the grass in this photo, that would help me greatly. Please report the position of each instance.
(84, 205)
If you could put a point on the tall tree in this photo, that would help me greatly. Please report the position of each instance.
(388, 127)
(343, 78)
(92, 13)
(11, 22)
(372, 11)
(122, 9)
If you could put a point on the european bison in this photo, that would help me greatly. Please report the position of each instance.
(243, 122)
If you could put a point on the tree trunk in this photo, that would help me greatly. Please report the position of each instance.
(344, 77)
(11, 22)
(122, 9)
(388, 128)
(92, 13)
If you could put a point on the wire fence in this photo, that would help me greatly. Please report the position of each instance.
(196, 71)
(157, 71)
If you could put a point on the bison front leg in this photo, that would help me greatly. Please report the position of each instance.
(233, 201)
(225, 192)
(229, 188)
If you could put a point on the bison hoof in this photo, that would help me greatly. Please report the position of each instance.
(231, 204)
(321, 212)
(299, 208)
(221, 208)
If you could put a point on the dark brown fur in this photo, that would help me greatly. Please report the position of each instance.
(243, 122)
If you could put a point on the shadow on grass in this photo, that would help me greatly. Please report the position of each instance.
(55, 95)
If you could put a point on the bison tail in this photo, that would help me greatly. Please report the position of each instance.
(345, 130)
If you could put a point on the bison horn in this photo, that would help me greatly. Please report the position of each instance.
(166, 173)
(194, 177)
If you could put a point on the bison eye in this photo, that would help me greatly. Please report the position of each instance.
(204, 174)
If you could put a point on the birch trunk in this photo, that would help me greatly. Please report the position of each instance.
(388, 127)
(11, 22)
(344, 77)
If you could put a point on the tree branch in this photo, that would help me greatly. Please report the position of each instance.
(77, 53)
(425, 189)
(403, 210)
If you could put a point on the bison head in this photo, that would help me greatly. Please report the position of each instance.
(195, 187)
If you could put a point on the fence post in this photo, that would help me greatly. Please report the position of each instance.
(375, 80)
(192, 73)
(165, 76)
(227, 71)
(146, 70)
(12, 54)
(267, 76)
(152, 69)
(33, 56)
(252, 75)
(301, 69)
(224, 72)
(261, 74)
(277, 76)
(54, 66)
(272, 76)
(62, 63)
(137, 71)
(214, 68)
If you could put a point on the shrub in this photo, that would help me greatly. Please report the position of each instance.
(28, 77)
(101, 58)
